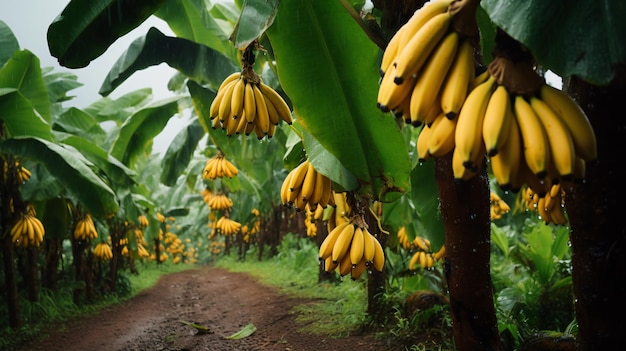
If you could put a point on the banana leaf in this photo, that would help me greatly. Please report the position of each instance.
(8, 43)
(256, 16)
(329, 69)
(180, 152)
(70, 168)
(585, 39)
(86, 28)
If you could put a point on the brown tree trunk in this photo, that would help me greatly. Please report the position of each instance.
(595, 213)
(466, 217)
(377, 309)
(10, 281)
(32, 274)
(53, 256)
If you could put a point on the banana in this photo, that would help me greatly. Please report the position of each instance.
(318, 190)
(534, 139)
(421, 243)
(299, 174)
(418, 49)
(369, 247)
(327, 193)
(441, 140)
(231, 125)
(430, 78)
(271, 111)
(379, 256)
(423, 260)
(342, 245)
(237, 99)
(215, 105)
(440, 254)
(30, 231)
(357, 247)
(345, 266)
(505, 164)
(419, 18)
(468, 133)
(563, 154)
(231, 169)
(423, 141)
(579, 126)
(455, 87)
(284, 112)
(415, 259)
(326, 248)
(497, 121)
(391, 95)
(262, 119)
(249, 103)
(479, 79)
(39, 230)
(358, 269)
(308, 184)
(242, 123)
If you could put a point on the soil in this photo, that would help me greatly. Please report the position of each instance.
(223, 301)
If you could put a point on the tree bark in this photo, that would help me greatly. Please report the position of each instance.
(466, 217)
(32, 274)
(377, 309)
(595, 213)
(53, 256)
(10, 281)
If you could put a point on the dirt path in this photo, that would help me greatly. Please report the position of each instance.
(223, 301)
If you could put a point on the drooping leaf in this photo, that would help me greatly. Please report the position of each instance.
(328, 68)
(201, 98)
(194, 60)
(118, 110)
(71, 170)
(78, 122)
(86, 28)
(19, 116)
(190, 19)
(59, 83)
(585, 39)
(256, 16)
(8, 43)
(139, 130)
(180, 152)
(23, 72)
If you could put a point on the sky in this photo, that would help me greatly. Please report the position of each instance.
(29, 21)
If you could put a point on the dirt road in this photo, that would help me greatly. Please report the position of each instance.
(223, 301)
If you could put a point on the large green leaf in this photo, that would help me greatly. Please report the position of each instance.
(80, 123)
(59, 83)
(328, 68)
(86, 28)
(19, 116)
(8, 43)
(180, 152)
(118, 110)
(256, 17)
(196, 61)
(584, 39)
(70, 168)
(139, 130)
(23, 73)
(190, 19)
(56, 218)
(201, 98)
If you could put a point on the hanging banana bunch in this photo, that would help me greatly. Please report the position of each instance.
(305, 185)
(103, 251)
(28, 231)
(244, 104)
(85, 228)
(219, 167)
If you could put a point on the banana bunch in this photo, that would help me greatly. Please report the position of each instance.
(351, 248)
(85, 228)
(309, 222)
(23, 174)
(143, 221)
(498, 207)
(304, 185)
(227, 226)
(28, 231)
(219, 167)
(244, 104)
(539, 139)
(340, 210)
(403, 239)
(424, 256)
(220, 202)
(103, 251)
(427, 66)
(206, 195)
(549, 207)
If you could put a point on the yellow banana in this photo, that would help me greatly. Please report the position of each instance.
(224, 108)
(30, 231)
(231, 169)
(440, 254)
(342, 245)
(249, 103)
(391, 95)
(299, 174)
(231, 125)
(308, 184)
(497, 121)
(423, 260)
(421, 243)
(357, 247)
(215, 104)
(369, 247)
(358, 269)
(583, 135)
(379, 256)
(345, 266)
(423, 141)
(318, 190)
(39, 230)
(441, 140)
(415, 259)
(431, 76)
(418, 49)
(479, 79)
(262, 114)
(284, 189)
(326, 248)
(534, 139)
(505, 164)
(284, 112)
(468, 133)
(562, 155)
(456, 84)
(418, 20)
(237, 99)
(327, 192)
(271, 111)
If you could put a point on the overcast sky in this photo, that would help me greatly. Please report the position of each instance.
(29, 21)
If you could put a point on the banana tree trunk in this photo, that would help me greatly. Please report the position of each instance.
(465, 213)
(10, 282)
(32, 274)
(598, 235)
